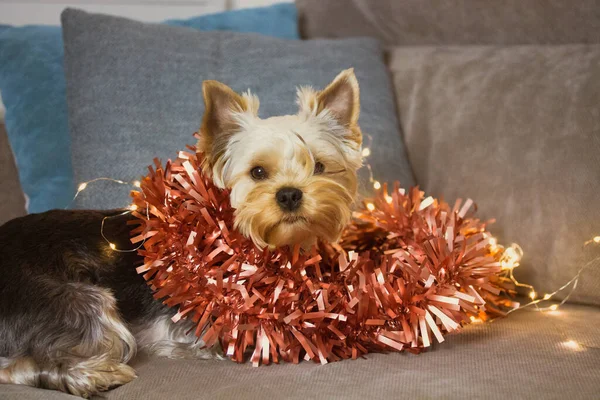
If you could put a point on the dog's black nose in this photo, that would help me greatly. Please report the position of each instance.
(289, 198)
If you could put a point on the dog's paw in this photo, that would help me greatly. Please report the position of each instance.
(86, 380)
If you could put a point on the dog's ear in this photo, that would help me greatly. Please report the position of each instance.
(221, 104)
(339, 102)
(340, 98)
(224, 111)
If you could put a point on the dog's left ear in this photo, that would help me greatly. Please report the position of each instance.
(341, 98)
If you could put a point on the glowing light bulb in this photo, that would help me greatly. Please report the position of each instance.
(370, 206)
(596, 239)
(554, 307)
(137, 183)
(366, 152)
(533, 295)
(388, 199)
(493, 243)
(571, 344)
(112, 246)
(82, 187)
(133, 207)
(511, 257)
(377, 185)
(547, 296)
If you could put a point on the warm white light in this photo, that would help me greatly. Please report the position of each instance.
(389, 199)
(475, 320)
(133, 207)
(370, 206)
(82, 187)
(511, 257)
(366, 152)
(137, 183)
(596, 239)
(377, 185)
(554, 307)
(112, 246)
(532, 294)
(571, 344)
(547, 296)
(493, 243)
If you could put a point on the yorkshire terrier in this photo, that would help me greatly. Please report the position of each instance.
(73, 312)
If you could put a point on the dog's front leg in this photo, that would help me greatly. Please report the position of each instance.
(163, 338)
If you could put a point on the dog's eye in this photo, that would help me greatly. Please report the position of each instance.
(319, 168)
(258, 173)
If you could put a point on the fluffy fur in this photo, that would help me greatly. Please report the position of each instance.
(73, 312)
(324, 130)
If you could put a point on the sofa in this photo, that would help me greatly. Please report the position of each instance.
(495, 101)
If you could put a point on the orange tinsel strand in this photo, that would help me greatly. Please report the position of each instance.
(406, 272)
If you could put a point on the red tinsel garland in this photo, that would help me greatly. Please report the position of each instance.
(404, 274)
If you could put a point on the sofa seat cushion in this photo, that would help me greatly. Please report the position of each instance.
(529, 354)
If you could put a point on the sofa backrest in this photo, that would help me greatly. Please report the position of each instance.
(453, 22)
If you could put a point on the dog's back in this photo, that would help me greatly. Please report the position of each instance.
(62, 246)
(66, 298)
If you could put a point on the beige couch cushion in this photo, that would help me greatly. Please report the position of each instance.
(12, 200)
(517, 129)
(525, 356)
(434, 22)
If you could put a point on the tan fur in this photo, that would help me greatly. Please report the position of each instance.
(163, 338)
(234, 140)
(340, 98)
(218, 123)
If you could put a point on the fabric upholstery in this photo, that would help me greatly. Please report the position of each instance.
(12, 202)
(134, 92)
(453, 22)
(517, 129)
(527, 355)
(32, 82)
(32, 85)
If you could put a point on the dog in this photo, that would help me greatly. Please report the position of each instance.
(73, 312)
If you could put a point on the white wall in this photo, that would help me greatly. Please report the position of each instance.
(23, 12)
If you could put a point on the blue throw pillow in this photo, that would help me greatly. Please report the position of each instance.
(32, 85)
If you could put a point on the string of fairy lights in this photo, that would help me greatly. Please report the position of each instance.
(511, 255)
(132, 207)
(510, 258)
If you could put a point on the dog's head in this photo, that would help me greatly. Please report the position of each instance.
(293, 177)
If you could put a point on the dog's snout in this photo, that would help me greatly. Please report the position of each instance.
(289, 198)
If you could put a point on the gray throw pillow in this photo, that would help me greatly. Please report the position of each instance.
(517, 129)
(134, 92)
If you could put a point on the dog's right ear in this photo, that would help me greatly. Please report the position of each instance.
(221, 103)
(224, 111)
